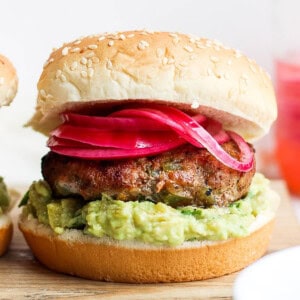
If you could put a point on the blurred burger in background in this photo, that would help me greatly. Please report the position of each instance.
(8, 89)
(150, 176)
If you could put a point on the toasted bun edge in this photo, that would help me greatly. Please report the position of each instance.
(115, 263)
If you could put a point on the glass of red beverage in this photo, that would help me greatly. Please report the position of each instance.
(287, 72)
(288, 124)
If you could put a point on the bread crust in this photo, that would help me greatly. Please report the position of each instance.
(113, 262)
(195, 74)
(6, 232)
(8, 81)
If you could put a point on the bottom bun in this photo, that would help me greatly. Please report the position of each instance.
(105, 259)
(6, 232)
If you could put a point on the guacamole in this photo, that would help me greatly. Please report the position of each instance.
(153, 223)
(4, 197)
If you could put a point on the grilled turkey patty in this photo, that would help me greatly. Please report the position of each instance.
(184, 176)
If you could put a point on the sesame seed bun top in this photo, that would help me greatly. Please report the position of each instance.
(8, 81)
(195, 74)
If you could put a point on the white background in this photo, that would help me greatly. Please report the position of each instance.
(30, 29)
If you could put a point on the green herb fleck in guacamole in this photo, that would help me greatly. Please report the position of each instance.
(153, 223)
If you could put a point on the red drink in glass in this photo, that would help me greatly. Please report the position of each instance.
(288, 123)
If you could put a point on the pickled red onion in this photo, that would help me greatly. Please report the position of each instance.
(194, 133)
(131, 124)
(113, 123)
(143, 131)
(115, 139)
(89, 152)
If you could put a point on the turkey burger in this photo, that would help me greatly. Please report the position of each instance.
(150, 176)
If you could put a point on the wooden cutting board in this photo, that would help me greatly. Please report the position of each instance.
(22, 277)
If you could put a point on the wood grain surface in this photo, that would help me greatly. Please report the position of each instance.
(22, 277)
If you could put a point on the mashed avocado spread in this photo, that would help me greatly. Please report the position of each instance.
(4, 197)
(153, 223)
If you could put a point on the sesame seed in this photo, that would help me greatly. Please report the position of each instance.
(63, 78)
(249, 60)
(54, 49)
(89, 63)
(92, 47)
(74, 65)
(244, 78)
(112, 34)
(95, 59)
(229, 62)
(75, 50)
(183, 64)
(122, 37)
(131, 35)
(43, 93)
(142, 45)
(149, 31)
(165, 61)
(175, 41)
(83, 74)
(160, 52)
(90, 72)
(214, 59)
(253, 69)
(101, 38)
(226, 76)
(237, 54)
(195, 104)
(200, 46)
(77, 42)
(111, 43)
(83, 61)
(109, 64)
(217, 48)
(65, 51)
(1, 80)
(58, 73)
(90, 54)
(173, 35)
(192, 40)
(188, 48)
